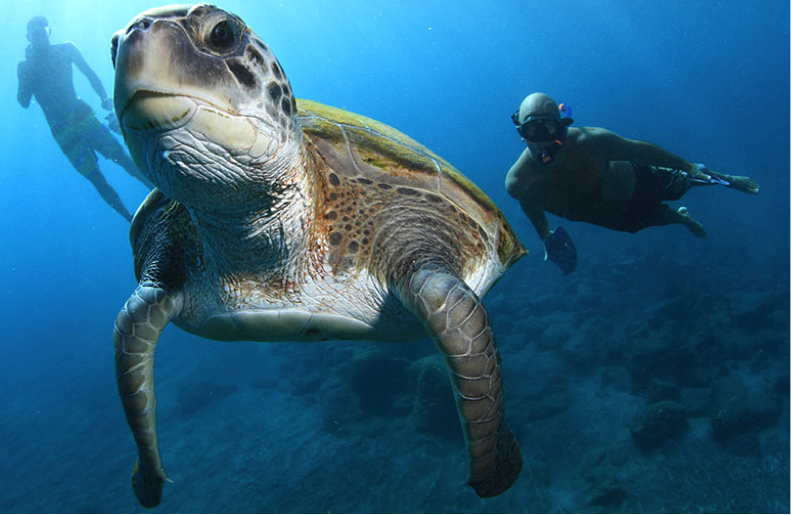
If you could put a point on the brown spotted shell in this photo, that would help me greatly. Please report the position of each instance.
(368, 166)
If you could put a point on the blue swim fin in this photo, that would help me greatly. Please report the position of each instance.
(559, 248)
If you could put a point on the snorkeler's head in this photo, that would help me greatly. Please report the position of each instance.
(38, 30)
(538, 120)
(537, 105)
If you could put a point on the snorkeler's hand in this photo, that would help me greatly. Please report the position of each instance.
(559, 248)
(107, 104)
(112, 122)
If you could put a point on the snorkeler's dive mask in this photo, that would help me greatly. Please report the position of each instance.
(542, 128)
(38, 32)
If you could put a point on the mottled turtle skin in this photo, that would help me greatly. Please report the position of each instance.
(284, 220)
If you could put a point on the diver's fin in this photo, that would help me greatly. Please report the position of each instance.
(559, 248)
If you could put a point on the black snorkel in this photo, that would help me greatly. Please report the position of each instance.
(548, 152)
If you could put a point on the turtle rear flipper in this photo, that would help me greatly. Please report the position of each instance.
(455, 317)
(147, 484)
(135, 336)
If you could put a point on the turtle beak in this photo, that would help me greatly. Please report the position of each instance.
(141, 104)
(156, 55)
(129, 48)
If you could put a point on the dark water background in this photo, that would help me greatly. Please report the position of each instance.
(653, 379)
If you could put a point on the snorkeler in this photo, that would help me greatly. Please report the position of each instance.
(46, 74)
(590, 174)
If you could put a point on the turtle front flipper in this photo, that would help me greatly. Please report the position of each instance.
(456, 319)
(135, 336)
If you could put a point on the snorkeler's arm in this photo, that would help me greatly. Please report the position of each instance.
(24, 92)
(82, 65)
(558, 246)
(515, 185)
(539, 219)
(612, 147)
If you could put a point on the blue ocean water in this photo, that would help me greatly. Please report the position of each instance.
(649, 324)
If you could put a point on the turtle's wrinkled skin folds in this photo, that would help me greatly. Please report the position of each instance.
(278, 220)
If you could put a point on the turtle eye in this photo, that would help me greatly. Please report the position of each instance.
(223, 36)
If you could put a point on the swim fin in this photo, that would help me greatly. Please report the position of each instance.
(559, 248)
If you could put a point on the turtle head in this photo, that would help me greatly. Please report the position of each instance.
(203, 104)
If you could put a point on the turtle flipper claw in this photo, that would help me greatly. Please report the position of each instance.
(147, 484)
(499, 477)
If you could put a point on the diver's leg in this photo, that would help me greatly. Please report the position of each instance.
(84, 160)
(666, 215)
(742, 183)
(690, 223)
(654, 184)
(705, 177)
(108, 193)
(74, 139)
(127, 164)
(108, 146)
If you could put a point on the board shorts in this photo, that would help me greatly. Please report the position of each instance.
(653, 185)
(80, 135)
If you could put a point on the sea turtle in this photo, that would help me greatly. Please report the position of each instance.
(282, 220)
